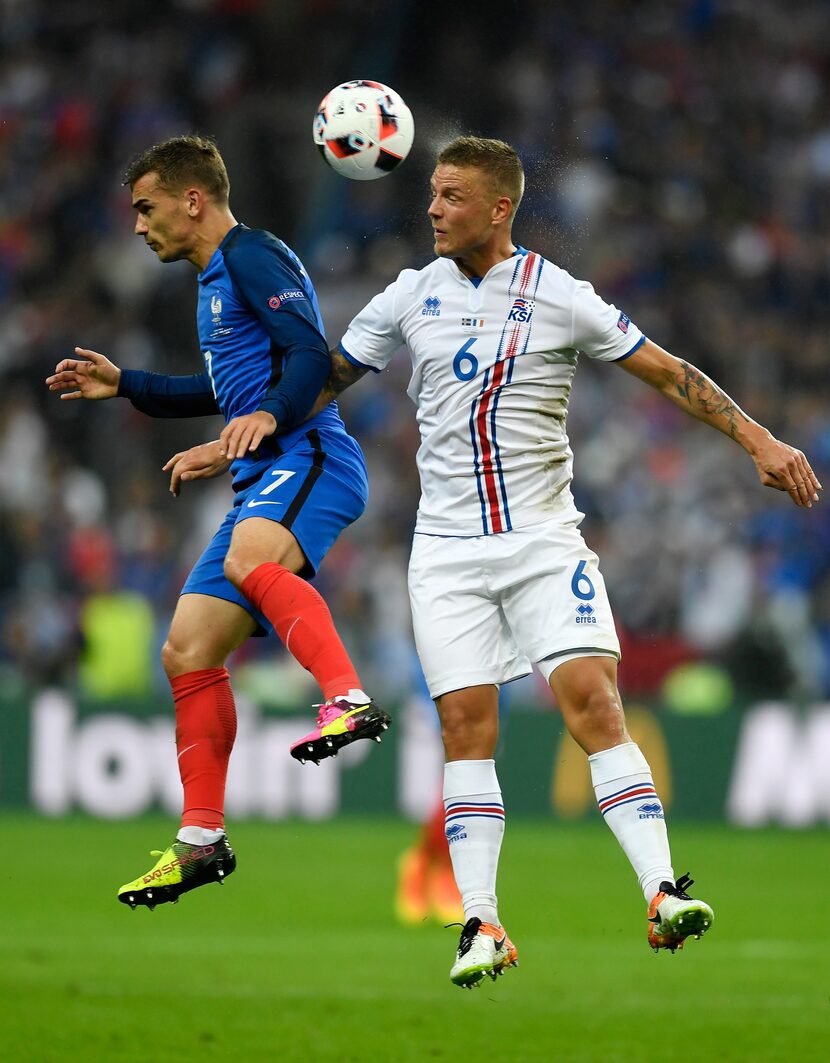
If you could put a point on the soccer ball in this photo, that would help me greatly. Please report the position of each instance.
(363, 130)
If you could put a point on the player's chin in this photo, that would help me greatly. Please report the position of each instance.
(164, 254)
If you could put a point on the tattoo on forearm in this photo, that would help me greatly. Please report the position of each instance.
(704, 395)
(343, 374)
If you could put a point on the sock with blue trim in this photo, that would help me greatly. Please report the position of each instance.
(474, 825)
(631, 808)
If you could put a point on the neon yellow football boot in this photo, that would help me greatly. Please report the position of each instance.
(180, 868)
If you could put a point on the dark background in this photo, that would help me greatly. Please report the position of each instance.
(678, 156)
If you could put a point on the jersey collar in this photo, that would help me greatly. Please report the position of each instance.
(520, 252)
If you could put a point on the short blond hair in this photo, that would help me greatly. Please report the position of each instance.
(498, 160)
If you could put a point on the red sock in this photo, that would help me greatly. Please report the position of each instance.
(205, 731)
(302, 620)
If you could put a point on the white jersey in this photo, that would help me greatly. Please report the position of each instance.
(492, 364)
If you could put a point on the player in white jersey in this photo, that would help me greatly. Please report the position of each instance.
(500, 577)
(492, 363)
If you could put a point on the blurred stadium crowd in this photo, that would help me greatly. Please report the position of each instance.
(678, 157)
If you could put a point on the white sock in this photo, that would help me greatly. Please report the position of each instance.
(354, 695)
(628, 801)
(199, 835)
(474, 819)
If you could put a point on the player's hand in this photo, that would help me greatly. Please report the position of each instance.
(198, 463)
(786, 469)
(244, 434)
(90, 376)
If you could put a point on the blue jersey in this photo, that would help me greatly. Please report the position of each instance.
(263, 344)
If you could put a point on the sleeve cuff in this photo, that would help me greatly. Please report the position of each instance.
(355, 361)
(130, 383)
(628, 354)
(278, 408)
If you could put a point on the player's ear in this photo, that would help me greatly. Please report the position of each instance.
(502, 209)
(195, 198)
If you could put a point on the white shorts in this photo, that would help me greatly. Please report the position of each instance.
(486, 608)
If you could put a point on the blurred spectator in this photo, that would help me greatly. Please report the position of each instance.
(116, 625)
(679, 155)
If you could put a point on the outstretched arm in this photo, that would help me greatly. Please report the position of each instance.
(779, 465)
(93, 376)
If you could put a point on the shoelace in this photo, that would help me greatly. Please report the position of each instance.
(329, 710)
(680, 887)
(468, 934)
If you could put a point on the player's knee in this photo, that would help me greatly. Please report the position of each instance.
(174, 661)
(179, 658)
(239, 562)
(466, 734)
(596, 717)
(598, 704)
(237, 567)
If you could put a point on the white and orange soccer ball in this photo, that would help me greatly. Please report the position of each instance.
(363, 130)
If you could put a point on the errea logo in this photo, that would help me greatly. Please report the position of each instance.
(432, 306)
(456, 833)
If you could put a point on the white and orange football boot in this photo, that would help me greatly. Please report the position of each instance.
(483, 949)
(674, 916)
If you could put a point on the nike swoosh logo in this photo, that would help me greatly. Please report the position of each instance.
(264, 503)
(193, 746)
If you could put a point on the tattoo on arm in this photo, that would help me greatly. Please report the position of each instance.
(705, 397)
(343, 374)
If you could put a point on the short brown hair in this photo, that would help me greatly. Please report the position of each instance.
(496, 158)
(180, 161)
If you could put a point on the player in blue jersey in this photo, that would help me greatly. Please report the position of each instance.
(299, 481)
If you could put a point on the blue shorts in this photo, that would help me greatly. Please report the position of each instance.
(315, 490)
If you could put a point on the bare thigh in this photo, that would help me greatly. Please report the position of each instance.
(203, 633)
(256, 541)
